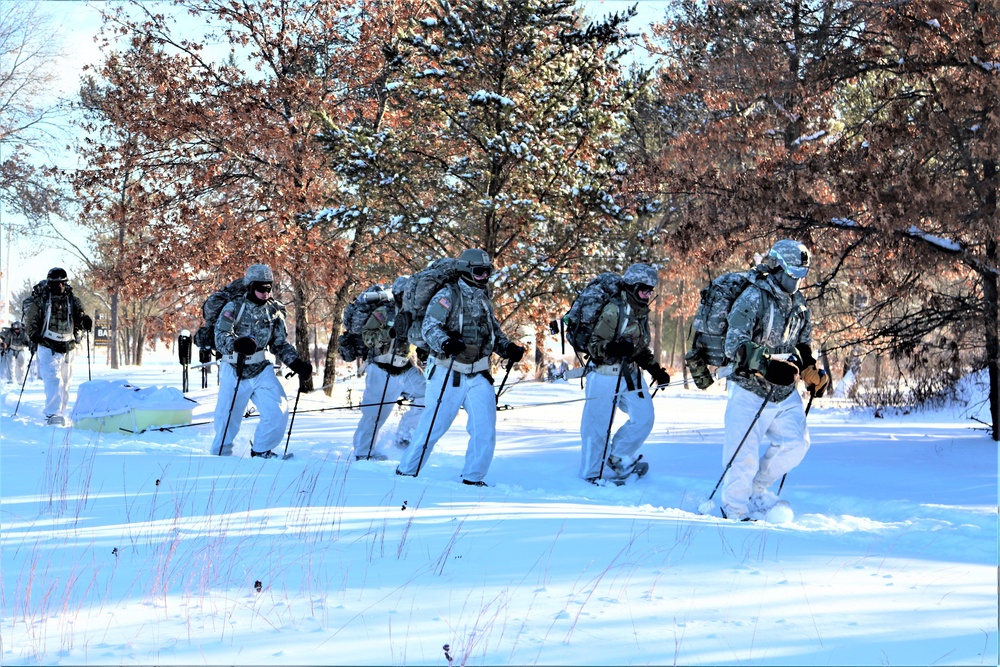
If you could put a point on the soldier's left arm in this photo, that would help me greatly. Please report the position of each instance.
(279, 345)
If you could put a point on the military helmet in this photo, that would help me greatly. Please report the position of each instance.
(792, 256)
(258, 273)
(17, 325)
(57, 275)
(475, 266)
(640, 274)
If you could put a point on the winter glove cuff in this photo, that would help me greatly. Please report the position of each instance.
(453, 345)
(619, 349)
(513, 352)
(660, 376)
(781, 372)
(805, 356)
(301, 368)
(245, 345)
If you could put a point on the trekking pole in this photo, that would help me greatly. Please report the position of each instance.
(808, 408)
(430, 429)
(27, 371)
(88, 356)
(295, 409)
(236, 390)
(611, 421)
(707, 506)
(510, 364)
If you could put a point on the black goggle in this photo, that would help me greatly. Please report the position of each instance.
(481, 272)
(263, 289)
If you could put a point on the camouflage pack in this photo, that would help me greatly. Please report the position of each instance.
(204, 337)
(350, 345)
(586, 309)
(711, 322)
(421, 288)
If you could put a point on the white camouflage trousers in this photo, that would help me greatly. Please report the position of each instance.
(56, 371)
(626, 441)
(410, 383)
(268, 397)
(781, 426)
(475, 394)
(16, 362)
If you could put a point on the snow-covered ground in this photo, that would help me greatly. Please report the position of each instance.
(143, 549)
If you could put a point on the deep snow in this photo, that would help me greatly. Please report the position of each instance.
(143, 549)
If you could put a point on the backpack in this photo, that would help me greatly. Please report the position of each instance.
(204, 337)
(419, 291)
(350, 345)
(36, 292)
(711, 322)
(582, 316)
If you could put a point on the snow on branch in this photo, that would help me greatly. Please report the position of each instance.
(947, 245)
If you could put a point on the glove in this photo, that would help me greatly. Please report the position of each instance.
(204, 355)
(301, 368)
(781, 372)
(402, 324)
(619, 348)
(513, 352)
(245, 345)
(453, 345)
(805, 355)
(660, 376)
(37, 338)
(816, 380)
(86, 322)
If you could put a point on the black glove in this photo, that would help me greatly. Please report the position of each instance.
(781, 372)
(204, 355)
(619, 348)
(86, 322)
(301, 368)
(805, 355)
(453, 345)
(402, 324)
(513, 352)
(36, 338)
(245, 345)
(660, 376)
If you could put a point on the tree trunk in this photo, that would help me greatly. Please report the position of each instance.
(991, 295)
(540, 336)
(330, 370)
(302, 328)
(113, 333)
(656, 331)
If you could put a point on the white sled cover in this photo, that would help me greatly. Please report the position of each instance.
(115, 406)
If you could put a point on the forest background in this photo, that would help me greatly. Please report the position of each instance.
(348, 142)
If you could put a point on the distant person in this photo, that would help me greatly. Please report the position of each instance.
(769, 337)
(248, 328)
(390, 375)
(53, 320)
(618, 349)
(462, 332)
(14, 342)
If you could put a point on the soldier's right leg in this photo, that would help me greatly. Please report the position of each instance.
(226, 406)
(600, 396)
(366, 434)
(741, 409)
(415, 457)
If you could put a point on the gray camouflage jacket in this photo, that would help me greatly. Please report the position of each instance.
(265, 323)
(467, 311)
(378, 336)
(768, 316)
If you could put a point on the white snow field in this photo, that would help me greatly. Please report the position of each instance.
(122, 548)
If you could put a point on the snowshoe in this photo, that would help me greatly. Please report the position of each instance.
(622, 471)
(469, 482)
(371, 457)
(269, 454)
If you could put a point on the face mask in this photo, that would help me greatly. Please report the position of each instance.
(788, 283)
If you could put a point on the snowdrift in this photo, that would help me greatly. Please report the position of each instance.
(113, 406)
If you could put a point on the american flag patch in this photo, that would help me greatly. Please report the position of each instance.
(379, 316)
(445, 301)
(228, 314)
